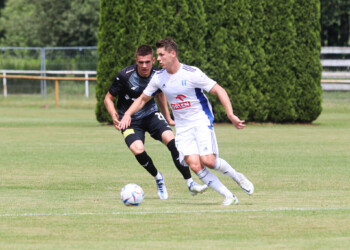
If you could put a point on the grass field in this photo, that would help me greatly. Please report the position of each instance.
(61, 174)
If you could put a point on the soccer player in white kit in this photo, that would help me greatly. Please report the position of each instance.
(195, 137)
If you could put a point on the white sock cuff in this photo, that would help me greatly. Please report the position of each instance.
(203, 173)
(217, 163)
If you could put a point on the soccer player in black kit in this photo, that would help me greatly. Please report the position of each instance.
(129, 85)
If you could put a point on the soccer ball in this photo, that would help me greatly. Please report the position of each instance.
(132, 195)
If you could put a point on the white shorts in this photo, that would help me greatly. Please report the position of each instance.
(200, 140)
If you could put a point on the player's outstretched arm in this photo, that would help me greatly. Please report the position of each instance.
(109, 103)
(225, 101)
(163, 105)
(136, 106)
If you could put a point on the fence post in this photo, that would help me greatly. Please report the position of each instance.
(43, 71)
(56, 92)
(86, 85)
(4, 82)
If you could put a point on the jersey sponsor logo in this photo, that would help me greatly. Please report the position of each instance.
(181, 97)
(180, 105)
(129, 131)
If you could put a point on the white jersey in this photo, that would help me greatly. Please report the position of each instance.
(184, 92)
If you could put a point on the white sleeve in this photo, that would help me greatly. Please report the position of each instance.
(203, 81)
(152, 88)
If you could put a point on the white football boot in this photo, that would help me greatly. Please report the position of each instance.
(196, 188)
(246, 185)
(230, 200)
(162, 192)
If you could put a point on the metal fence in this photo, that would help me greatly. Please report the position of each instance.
(336, 68)
(71, 61)
(61, 60)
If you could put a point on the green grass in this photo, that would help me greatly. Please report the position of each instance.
(62, 171)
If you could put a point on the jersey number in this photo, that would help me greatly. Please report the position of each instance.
(160, 116)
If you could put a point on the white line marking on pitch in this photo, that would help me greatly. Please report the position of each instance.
(178, 212)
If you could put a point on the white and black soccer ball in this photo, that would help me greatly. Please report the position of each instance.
(132, 195)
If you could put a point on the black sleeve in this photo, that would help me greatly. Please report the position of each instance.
(117, 85)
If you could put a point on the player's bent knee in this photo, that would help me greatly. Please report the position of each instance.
(208, 160)
(196, 168)
(137, 147)
(167, 136)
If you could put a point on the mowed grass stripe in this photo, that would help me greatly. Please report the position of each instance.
(287, 209)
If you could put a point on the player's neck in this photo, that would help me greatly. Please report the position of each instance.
(175, 67)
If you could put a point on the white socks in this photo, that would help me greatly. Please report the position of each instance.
(189, 181)
(223, 167)
(158, 176)
(213, 181)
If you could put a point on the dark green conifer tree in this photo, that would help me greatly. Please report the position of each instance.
(307, 91)
(280, 42)
(230, 61)
(186, 24)
(258, 110)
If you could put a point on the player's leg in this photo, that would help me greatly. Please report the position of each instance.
(210, 179)
(223, 167)
(160, 130)
(134, 138)
(219, 164)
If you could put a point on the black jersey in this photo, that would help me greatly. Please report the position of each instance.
(129, 85)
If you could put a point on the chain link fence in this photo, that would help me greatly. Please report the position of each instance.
(67, 59)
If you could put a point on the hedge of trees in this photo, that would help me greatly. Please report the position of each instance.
(335, 22)
(264, 53)
(46, 23)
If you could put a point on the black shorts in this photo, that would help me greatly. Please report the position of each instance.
(155, 124)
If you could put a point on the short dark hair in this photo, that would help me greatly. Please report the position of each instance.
(144, 50)
(168, 44)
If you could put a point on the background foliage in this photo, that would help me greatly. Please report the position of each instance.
(262, 71)
(335, 19)
(49, 23)
(335, 22)
(75, 23)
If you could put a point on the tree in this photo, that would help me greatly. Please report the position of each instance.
(280, 42)
(307, 91)
(229, 59)
(50, 23)
(335, 22)
(183, 16)
(124, 25)
(259, 109)
(2, 5)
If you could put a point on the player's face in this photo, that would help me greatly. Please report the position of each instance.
(165, 58)
(144, 64)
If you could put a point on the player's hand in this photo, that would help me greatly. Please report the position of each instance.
(171, 122)
(116, 121)
(125, 122)
(239, 124)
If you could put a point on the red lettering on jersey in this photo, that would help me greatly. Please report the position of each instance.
(181, 105)
(181, 97)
